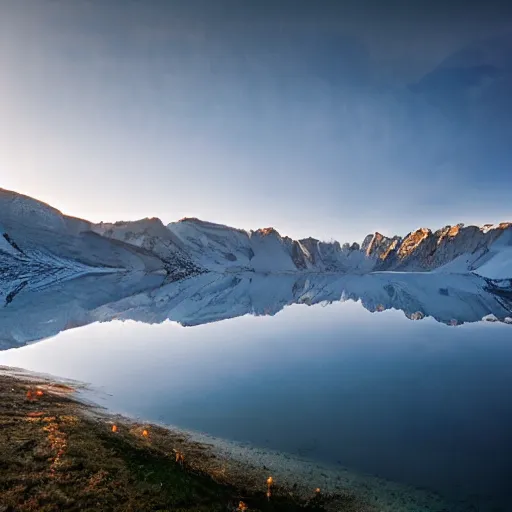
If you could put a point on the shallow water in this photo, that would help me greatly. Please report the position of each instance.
(415, 402)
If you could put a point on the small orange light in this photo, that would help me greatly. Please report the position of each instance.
(114, 428)
(270, 481)
(145, 433)
(29, 394)
(317, 490)
(39, 393)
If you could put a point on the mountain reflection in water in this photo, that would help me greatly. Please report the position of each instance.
(448, 298)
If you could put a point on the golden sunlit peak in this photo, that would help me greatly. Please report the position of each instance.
(266, 231)
(453, 231)
(412, 241)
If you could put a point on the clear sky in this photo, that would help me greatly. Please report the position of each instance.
(292, 114)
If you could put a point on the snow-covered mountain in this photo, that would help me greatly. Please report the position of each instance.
(153, 236)
(486, 250)
(211, 297)
(456, 249)
(39, 245)
(58, 272)
(218, 247)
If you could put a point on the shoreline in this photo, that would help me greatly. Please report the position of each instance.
(58, 452)
(377, 493)
(239, 466)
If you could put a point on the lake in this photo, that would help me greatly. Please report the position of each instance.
(346, 383)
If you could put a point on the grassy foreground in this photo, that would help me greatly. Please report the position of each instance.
(57, 453)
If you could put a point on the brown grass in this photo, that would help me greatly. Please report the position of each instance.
(58, 454)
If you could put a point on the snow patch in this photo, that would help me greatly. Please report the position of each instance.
(499, 266)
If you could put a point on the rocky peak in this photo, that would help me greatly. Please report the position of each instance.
(379, 246)
(374, 243)
(392, 247)
(448, 232)
(267, 232)
(350, 247)
(492, 227)
(309, 247)
(308, 242)
(128, 230)
(366, 242)
(412, 241)
(423, 250)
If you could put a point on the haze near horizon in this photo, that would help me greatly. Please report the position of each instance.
(322, 119)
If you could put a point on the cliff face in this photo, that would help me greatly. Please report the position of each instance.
(423, 249)
(380, 246)
(460, 249)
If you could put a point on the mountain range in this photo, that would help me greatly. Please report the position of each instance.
(38, 245)
(58, 272)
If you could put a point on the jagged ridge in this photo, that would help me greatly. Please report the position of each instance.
(32, 231)
(462, 249)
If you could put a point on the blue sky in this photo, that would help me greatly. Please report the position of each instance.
(297, 115)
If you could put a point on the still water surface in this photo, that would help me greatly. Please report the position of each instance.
(420, 403)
